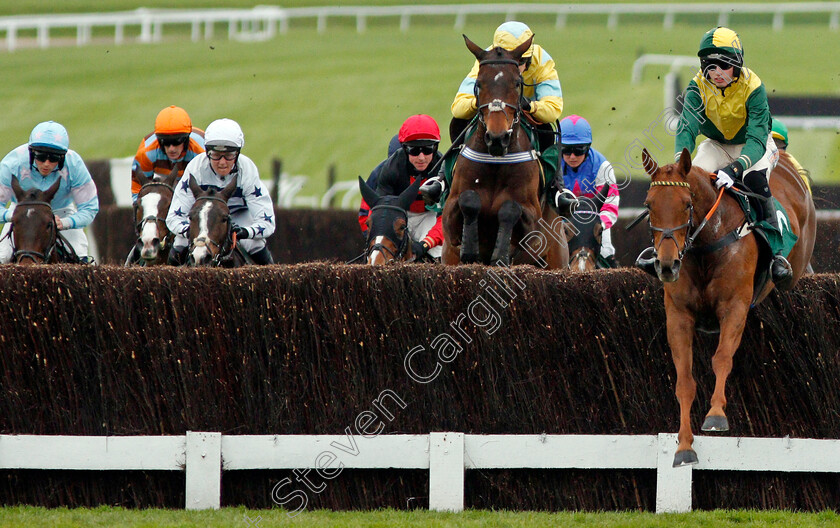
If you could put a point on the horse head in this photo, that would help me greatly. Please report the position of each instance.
(388, 238)
(210, 227)
(669, 203)
(153, 200)
(33, 225)
(498, 88)
(585, 242)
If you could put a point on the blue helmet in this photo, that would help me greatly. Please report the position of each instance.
(575, 130)
(49, 135)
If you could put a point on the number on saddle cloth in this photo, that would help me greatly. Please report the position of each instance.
(777, 242)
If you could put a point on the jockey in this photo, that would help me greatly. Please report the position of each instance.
(38, 164)
(542, 100)
(419, 137)
(373, 180)
(585, 171)
(251, 208)
(727, 103)
(780, 136)
(174, 140)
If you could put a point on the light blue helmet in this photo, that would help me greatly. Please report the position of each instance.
(49, 135)
(575, 130)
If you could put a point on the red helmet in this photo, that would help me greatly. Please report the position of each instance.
(419, 127)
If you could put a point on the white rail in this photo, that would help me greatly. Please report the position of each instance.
(264, 22)
(447, 455)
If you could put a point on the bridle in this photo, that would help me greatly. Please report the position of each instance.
(497, 105)
(668, 233)
(402, 245)
(138, 228)
(21, 254)
(221, 249)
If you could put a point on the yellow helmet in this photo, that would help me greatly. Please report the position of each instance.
(511, 34)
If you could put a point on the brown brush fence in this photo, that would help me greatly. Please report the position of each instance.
(304, 349)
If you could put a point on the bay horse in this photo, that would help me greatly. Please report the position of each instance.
(494, 208)
(708, 270)
(388, 236)
(34, 232)
(586, 230)
(154, 240)
(211, 242)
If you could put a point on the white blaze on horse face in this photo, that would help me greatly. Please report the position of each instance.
(149, 206)
(374, 256)
(581, 263)
(200, 253)
(499, 76)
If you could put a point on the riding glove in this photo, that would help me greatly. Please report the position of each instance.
(420, 249)
(724, 179)
(524, 103)
(241, 233)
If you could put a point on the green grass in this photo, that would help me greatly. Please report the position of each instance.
(336, 98)
(240, 517)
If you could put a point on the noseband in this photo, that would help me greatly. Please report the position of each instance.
(221, 249)
(21, 254)
(402, 245)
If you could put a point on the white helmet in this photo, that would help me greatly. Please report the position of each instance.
(224, 135)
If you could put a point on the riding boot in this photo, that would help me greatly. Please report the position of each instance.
(178, 256)
(133, 256)
(646, 261)
(262, 257)
(433, 188)
(780, 269)
(756, 181)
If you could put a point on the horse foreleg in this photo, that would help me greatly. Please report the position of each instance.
(680, 323)
(509, 214)
(470, 204)
(732, 318)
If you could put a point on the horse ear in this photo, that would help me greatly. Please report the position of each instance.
(650, 164)
(18, 190)
(229, 189)
(196, 190)
(370, 195)
(408, 196)
(140, 177)
(522, 48)
(685, 161)
(474, 48)
(50, 193)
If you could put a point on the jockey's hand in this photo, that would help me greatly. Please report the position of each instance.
(524, 103)
(58, 223)
(724, 179)
(241, 233)
(420, 249)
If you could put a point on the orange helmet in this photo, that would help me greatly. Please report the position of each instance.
(173, 120)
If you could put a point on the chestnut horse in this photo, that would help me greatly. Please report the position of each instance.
(708, 267)
(34, 233)
(153, 237)
(494, 209)
(210, 231)
(388, 237)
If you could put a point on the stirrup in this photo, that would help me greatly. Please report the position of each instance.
(564, 199)
(781, 272)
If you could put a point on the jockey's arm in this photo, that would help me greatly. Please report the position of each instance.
(758, 129)
(260, 206)
(83, 191)
(609, 210)
(177, 219)
(6, 192)
(547, 103)
(435, 235)
(464, 105)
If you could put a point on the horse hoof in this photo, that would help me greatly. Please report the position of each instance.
(685, 458)
(716, 424)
